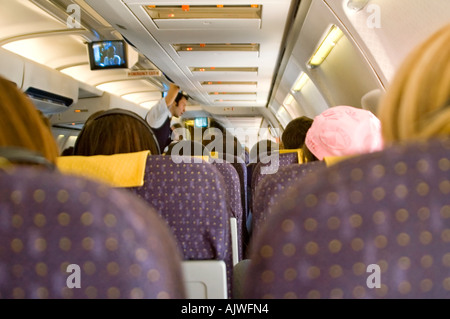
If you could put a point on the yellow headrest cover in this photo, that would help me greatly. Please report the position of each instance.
(331, 160)
(117, 170)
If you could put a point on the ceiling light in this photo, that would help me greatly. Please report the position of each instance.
(223, 69)
(189, 122)
(288, 100)
(283, 116)
(228, 83)
(216, 47)
(300, 82)
(235, 101)
(326, 46)
(204, 12)
(232, 93)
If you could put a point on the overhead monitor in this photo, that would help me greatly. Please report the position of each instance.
(201, 122)
(108, 54)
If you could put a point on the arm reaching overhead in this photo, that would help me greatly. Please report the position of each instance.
(158, 117)
(171, 94)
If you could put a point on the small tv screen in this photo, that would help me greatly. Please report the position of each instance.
(109, 54)
(201, 122)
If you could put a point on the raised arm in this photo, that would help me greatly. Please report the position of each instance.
(172, 94)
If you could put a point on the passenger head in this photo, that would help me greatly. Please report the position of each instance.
(22, 124)
(417, 102)
(115, 131)
(175, 126)
(215, 124)
(294, 134)
(179, 106)
(344, 130)
(67, 151)
(177, 132)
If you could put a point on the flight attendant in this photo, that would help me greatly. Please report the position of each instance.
(159, 116)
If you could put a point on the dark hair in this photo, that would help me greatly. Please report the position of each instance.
(115, 131)
(67, 151)
(307, 155)
(179, 96)
(214, 124)
(210, 132)
(294, 134)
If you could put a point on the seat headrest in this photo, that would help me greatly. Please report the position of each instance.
(117, 170)
(20, 155)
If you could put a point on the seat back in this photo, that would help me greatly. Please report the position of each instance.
(241, 169)
(68, 237)
(272, 185)
(269, 165)
(373, 226)
(234, 198)
(190, 195)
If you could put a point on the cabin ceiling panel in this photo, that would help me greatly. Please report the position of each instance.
(129, 86)
(388, 30)
(207, 24)
(30, 20)
(155, 37)
(53, 51)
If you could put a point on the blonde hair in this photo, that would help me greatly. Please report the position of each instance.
(416, 105)
(22, 125)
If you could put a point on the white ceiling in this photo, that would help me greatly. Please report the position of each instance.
(388, 30)
(38, 30)
(155, 39)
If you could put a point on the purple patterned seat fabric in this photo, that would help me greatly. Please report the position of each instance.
(49, 221)
(241, 169)
(234, 198)
(373, 226)
(191, 197)
(272, 185)
(270, 166)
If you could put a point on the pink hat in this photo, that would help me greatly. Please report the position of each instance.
(344, 130)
